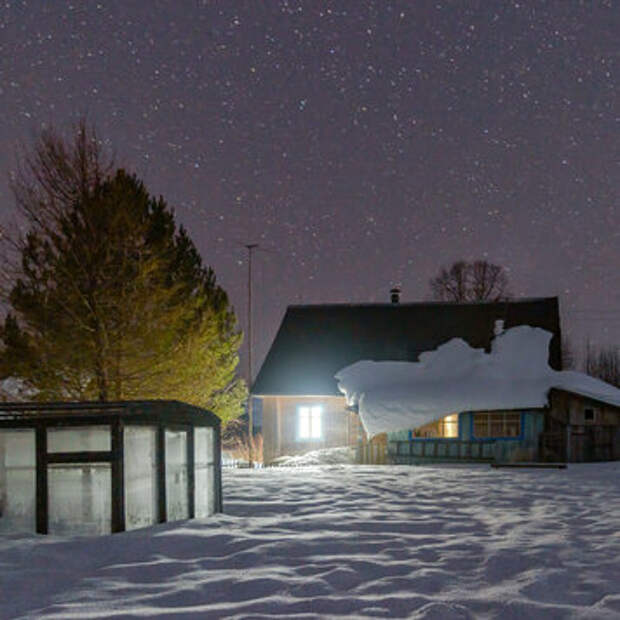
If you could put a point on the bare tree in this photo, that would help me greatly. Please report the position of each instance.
(54, 172)
(57, 172)
(451, 283)
(54, 176)
(476, 281)
(603, 363)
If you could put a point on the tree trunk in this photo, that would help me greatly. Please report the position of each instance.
(101, 370)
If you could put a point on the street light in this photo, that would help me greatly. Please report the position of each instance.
(250, 247)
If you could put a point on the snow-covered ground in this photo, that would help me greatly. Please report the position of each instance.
(347, 541)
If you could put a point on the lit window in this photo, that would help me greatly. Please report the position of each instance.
(497, 425)
(310, 422)
(449, 426)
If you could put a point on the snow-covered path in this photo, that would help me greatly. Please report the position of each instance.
(346, 541)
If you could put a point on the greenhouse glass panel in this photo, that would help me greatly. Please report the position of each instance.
(17, 480)
(79, 439)
(204, 475)
(140, 445)
(79, 497)
(177, 495)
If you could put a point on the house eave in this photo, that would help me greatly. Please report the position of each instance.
(295, 395)
(583, 395)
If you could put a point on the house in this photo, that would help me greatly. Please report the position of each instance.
(302, 406)
(461, 403)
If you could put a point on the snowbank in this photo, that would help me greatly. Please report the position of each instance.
(326, 456)
(347, 542)
(393, 396)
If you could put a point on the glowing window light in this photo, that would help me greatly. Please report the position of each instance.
(451, 425)
(310, 426)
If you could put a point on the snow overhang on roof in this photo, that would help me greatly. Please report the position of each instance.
(455, 377)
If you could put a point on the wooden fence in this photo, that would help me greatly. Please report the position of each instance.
(371, 454)
(425, 450)
(581, 444)
(441, 450)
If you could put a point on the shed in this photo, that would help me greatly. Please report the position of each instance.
(100, 467)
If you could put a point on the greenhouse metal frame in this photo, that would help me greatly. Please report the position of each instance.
(165, 420)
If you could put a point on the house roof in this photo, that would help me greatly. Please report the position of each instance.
(171, 411)
(316, 341)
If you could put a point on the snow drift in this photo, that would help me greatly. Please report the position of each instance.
(343, 455)
(339, 541)
(393, 396)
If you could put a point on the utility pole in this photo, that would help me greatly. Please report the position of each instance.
(250, 247)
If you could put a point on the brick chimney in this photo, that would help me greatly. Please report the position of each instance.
(395, 295)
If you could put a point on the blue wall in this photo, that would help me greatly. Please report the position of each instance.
(523, 447)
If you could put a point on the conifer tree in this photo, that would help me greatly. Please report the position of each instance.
(112, 300)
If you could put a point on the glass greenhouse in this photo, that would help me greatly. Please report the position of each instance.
(96, 468)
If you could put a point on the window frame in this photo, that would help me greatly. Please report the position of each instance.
(492, 420)
(314, 413)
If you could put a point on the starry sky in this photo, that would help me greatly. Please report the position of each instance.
(361, 143)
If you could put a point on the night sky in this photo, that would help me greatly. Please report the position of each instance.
(361, 143)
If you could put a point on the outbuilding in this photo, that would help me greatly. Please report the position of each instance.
(96, 468)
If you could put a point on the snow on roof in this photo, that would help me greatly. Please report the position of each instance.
(455, 377)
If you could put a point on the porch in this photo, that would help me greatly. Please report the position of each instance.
(428, 450)
(417, 451)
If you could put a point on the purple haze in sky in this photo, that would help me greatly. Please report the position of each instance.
(360, 143)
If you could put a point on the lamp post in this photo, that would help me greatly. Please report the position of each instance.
(250, 247)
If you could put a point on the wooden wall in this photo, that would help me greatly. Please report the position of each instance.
(467, 447)
(280, 425)
(595, 439)
(583, 439)
(568, 408)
